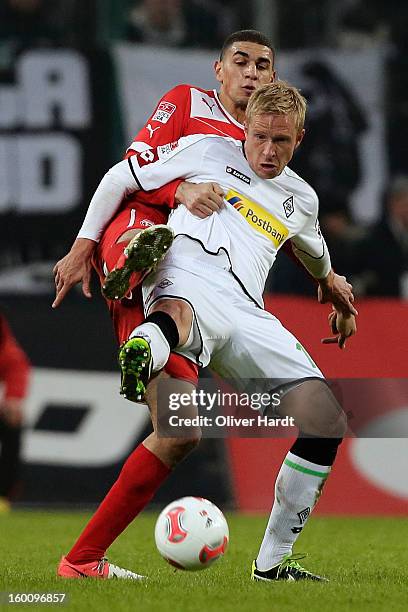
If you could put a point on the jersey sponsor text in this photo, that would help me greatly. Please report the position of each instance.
(260, 219)
(164, 112)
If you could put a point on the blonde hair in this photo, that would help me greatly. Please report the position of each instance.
(278, 98)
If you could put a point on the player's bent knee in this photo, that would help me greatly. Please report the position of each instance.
(186, 445)
(177, 309)
(315, 410)
(180, 312)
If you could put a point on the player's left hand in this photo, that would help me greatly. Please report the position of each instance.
(335, 289)
(342, 326)
(202, 199)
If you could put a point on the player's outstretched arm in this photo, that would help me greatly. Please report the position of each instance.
(74, 268)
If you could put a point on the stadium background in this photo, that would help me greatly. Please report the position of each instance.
(77, 79)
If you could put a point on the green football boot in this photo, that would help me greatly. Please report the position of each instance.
(288, 569)
(135, 361)
(142, 255)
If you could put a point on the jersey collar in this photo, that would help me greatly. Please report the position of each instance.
(225, 112)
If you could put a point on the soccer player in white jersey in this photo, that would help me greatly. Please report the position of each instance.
(215, 273)
(246, 61)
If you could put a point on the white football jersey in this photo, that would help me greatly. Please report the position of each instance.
(258, 217)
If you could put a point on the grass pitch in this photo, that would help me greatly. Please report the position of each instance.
(365, 559)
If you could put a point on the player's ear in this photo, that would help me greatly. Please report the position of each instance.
(218, 70)
(273, 76)
(299, 138)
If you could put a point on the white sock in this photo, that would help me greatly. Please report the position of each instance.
(297, 489)
(158, 344)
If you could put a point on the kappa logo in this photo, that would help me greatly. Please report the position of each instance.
(164, 111)
(260, 219)
(165, 283)
(239, 175)
(289, 207)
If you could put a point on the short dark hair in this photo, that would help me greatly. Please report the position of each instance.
(247, 36)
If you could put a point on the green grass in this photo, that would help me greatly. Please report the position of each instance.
(365, 559)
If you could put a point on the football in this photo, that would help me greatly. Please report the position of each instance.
(191, 533)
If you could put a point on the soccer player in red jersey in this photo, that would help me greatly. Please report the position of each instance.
(246, 62)
(14, 374)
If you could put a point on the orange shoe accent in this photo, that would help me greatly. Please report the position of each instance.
(101, 569)
(96, 569)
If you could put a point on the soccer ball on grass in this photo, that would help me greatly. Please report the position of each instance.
(191, 533)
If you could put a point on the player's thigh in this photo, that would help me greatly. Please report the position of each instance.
(262, 348)
(211, 324)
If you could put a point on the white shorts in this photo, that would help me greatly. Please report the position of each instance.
(230, 332)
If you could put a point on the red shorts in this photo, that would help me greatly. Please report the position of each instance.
(128, 313)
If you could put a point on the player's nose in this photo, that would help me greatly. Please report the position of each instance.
(269, 151)
(250, 71)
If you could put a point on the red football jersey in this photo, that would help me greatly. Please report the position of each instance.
(182, 111)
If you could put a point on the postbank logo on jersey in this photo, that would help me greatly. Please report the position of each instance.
(260, 219)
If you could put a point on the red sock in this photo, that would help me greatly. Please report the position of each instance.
(141, 476)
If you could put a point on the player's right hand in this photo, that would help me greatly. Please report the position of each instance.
(337, 290)
(74, 268)
(202, 199)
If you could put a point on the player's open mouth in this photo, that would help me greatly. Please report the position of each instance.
(249, 89)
